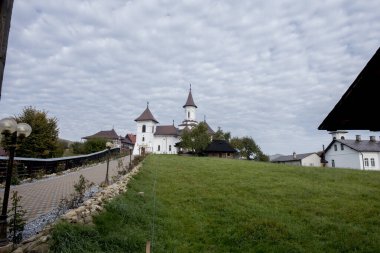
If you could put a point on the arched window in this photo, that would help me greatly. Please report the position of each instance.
(158, 148)
(188, 115)
(144, 128)
(143, 138)
(170, 148)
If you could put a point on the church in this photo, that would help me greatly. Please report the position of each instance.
(162, 139)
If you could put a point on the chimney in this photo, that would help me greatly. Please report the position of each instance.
(358, 138)
(372, 138)
(294, 155)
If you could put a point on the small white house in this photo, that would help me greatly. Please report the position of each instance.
(355, 154)
(307, 159)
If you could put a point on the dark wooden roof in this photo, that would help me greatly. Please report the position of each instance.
(220, 146)
(166, 130)
(146, 116)
(109, 134)
(357, 109)
(190, 101)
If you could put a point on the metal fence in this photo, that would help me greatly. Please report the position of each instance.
(34, 167)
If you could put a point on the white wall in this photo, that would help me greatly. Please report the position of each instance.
(192, 111)
(347, 158)
(165, 142)
(311, 160)
(375, 156)
(147, 143)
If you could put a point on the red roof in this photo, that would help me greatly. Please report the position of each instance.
(146, 116)
(131, 137)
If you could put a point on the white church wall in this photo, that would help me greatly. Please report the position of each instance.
(190, 113)
(144, 139)
(165, 144)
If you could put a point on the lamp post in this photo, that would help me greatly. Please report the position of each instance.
(11, 131)
(108, 146)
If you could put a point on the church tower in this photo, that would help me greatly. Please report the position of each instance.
(146, 126)
(190, 113)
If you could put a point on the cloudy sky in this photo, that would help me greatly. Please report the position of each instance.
(272, 70)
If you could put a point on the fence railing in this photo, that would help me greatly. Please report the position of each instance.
(33, 167)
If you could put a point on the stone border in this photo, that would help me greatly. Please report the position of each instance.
(82, 215)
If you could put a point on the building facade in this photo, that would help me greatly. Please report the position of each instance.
(354, 154)
(306, 159)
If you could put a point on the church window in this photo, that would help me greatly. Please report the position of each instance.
(341, 146)
(143, 138)
(170, 147)
(188, 115)
(158, 148)
(143, 128)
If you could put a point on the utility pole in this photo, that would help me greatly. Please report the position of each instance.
(6, 7)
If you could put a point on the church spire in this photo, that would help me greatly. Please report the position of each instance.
(190, 100)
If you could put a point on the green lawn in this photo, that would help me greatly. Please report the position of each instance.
(218, 205)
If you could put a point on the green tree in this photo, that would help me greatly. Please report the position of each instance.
(196, 139)
(248, 147)
(77, 147)
(221, 135)
(17, 219)
(94, 145)
(43, 141)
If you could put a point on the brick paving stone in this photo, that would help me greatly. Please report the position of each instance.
(44, 195)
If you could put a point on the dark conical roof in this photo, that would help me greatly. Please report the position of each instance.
(190, 101)
(146, 116)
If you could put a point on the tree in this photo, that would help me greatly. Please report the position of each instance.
(43, 141)
(94, 145)
(248, 148)
(221, 135)
(90, 146)
(17, 219)
(196, 139)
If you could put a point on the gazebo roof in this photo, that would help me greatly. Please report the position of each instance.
(357, 108)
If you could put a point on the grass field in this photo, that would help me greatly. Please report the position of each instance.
(218, 205)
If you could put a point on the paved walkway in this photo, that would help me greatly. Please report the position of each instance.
(42, 196)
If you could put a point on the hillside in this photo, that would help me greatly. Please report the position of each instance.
(215, 205)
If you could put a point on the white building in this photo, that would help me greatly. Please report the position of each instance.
(162, 139)
(307, 159)
(354, 154)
